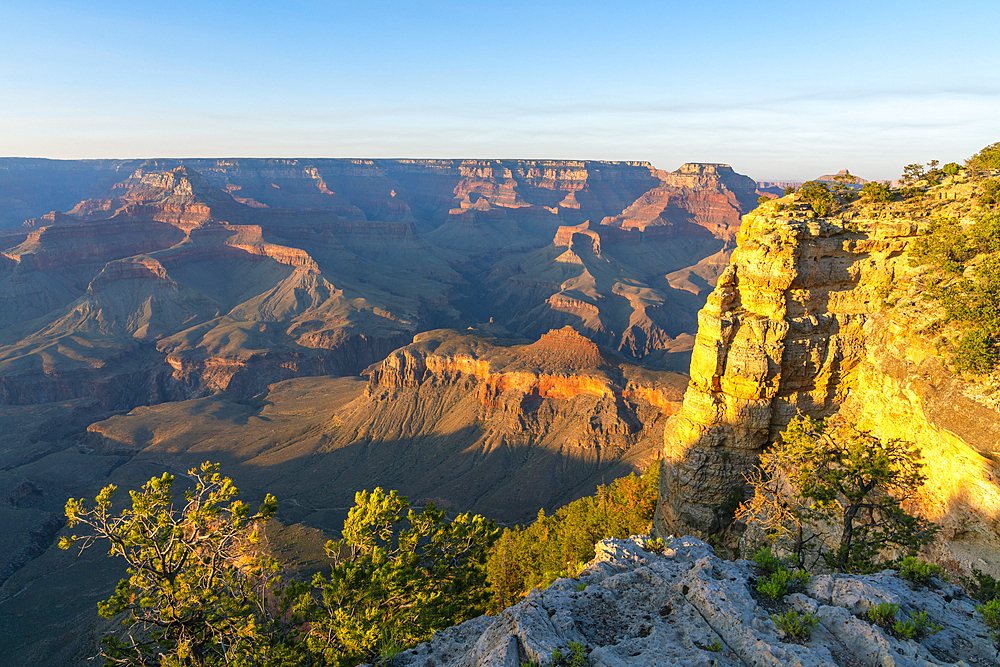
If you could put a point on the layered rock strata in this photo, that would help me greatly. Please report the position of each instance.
(802, 321)
(684, 606)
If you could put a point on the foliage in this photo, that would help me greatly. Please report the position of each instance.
(951, 169)
(982, 586)
(782, 582)
(944, 245)
(845, 180)
(977, 352)
(558, 545)
(767, 561)
(841, 476)
(915, 626)
(398, 577)
(817, 194)
(989, 194)
(918, 571)
(197, 590)
(883, 614)
(878, 193)
(789, 189)
(990, 611)
(796, 626)
(972, 302)
(200, 592)
(912, 173)
(714, 647)
(987, 158)
(577, 656)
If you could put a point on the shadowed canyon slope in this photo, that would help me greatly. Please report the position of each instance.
(825, 315)
(464, 420)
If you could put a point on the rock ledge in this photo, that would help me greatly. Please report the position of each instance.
(639, 607)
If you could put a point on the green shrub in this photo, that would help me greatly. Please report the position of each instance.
(817, 194)
(916, 626)
(577, 656)
(714, 647)
(918, 571)
(977, 353)
(982, 586)
(876, 192)
(944, 245)
(952, 169)
(989, 195)
(767, 561)
(796, 626)
(883, 614)
(973, 303)
(555, 546)
(987, 158)
(990, 611)
(782, 582)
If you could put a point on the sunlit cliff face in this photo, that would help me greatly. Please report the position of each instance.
(819, 316)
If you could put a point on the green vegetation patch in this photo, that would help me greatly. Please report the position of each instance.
(987, 158)
(559, 545)
(797, 627)
(967, 263)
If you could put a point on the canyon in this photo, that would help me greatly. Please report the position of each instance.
(495, 336)
(489, 335)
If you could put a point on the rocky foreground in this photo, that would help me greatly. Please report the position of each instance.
(632, 606)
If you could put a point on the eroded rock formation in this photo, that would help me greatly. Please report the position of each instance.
(802, 320)
(635, 606)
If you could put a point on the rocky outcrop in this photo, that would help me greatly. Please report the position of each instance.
(696, 197)
(632, 605)
(801, 321)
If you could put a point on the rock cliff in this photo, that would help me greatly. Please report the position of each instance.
(821, 315)
(683, 606)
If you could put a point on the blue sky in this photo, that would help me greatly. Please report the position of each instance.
(780, 90)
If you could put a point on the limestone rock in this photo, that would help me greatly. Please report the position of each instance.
(802, 320)
(685, 606)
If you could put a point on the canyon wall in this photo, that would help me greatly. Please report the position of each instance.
(821, 316)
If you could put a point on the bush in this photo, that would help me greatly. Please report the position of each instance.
(767, 561)
(982, 586)
(817, 194)
(840, 476)
(918, 571)
(977, 353)
(952, 169)
(990, 611)
(796, 626)
(577, 656)
(987, 158)
(782, 582)
(989, 194)
(398, 577)
(197, 583)
(558, 545)
(916, 626)
(883, 614)
(876, 192)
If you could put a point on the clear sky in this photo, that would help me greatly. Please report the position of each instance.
(780, 90)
